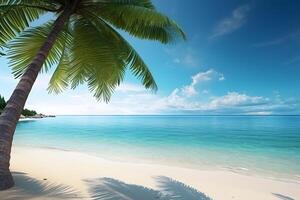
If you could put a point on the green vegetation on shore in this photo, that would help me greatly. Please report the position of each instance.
(2, 103)
(25, 112)
(29, 113)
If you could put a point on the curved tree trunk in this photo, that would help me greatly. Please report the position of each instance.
(15, 105)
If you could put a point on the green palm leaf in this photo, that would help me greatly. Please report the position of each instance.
(142, 3)
(89, 50)
(130, 56)
(99, 57)
(60, 78)
(95, 60)
(141, 22)
(16, 15)
(23, 49)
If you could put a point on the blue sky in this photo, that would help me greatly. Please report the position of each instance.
(242, 57)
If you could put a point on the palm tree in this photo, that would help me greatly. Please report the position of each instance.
(84, 45)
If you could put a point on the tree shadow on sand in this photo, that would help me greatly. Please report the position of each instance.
(29, 188)
(176, 190)
(112, 189)
(282, 197)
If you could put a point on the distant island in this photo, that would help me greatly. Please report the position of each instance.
(26, 113)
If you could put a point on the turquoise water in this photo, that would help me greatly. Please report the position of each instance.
(263, 145)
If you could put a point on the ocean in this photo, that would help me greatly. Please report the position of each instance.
(266, 146)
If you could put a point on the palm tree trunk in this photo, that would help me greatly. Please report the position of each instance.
(15, 105)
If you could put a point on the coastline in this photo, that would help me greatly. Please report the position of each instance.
(79, 170)
(28, 119)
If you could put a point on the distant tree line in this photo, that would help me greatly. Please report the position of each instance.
(29, 113)
(2, 103)
(25, 112)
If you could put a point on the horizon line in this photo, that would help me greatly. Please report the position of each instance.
(180, 115)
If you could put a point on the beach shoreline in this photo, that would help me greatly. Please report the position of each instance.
(79, 170)
(128, 159)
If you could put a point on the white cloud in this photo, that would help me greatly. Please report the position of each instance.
(148, 103)
(190, 60)
(259, 113)
(187, 60)
(228, 101)
(184, 56)
(231, 103)
(232, 23)
(222, 77)
(198, 78)
(134, 99)
(128, 99)
(129, 87)
(280, 40)
(85, 104)
(236, 99)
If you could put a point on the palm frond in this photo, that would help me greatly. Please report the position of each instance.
(23, 49)
(2, 53)
(142, 3)
(95, 60)
(16, 15)
(60, 78)
(130, 57)
(89, 50)
(140, 22)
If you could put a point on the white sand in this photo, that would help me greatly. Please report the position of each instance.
(73, 174)
(28, 119)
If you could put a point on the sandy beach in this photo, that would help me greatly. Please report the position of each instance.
(57, 174)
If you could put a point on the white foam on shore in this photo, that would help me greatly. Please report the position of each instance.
(28, 119)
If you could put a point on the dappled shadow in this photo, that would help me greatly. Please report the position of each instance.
(112, 189)
(28, 188)
(176, 190)
(282, 197)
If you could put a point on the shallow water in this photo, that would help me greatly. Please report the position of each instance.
(263, 145)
